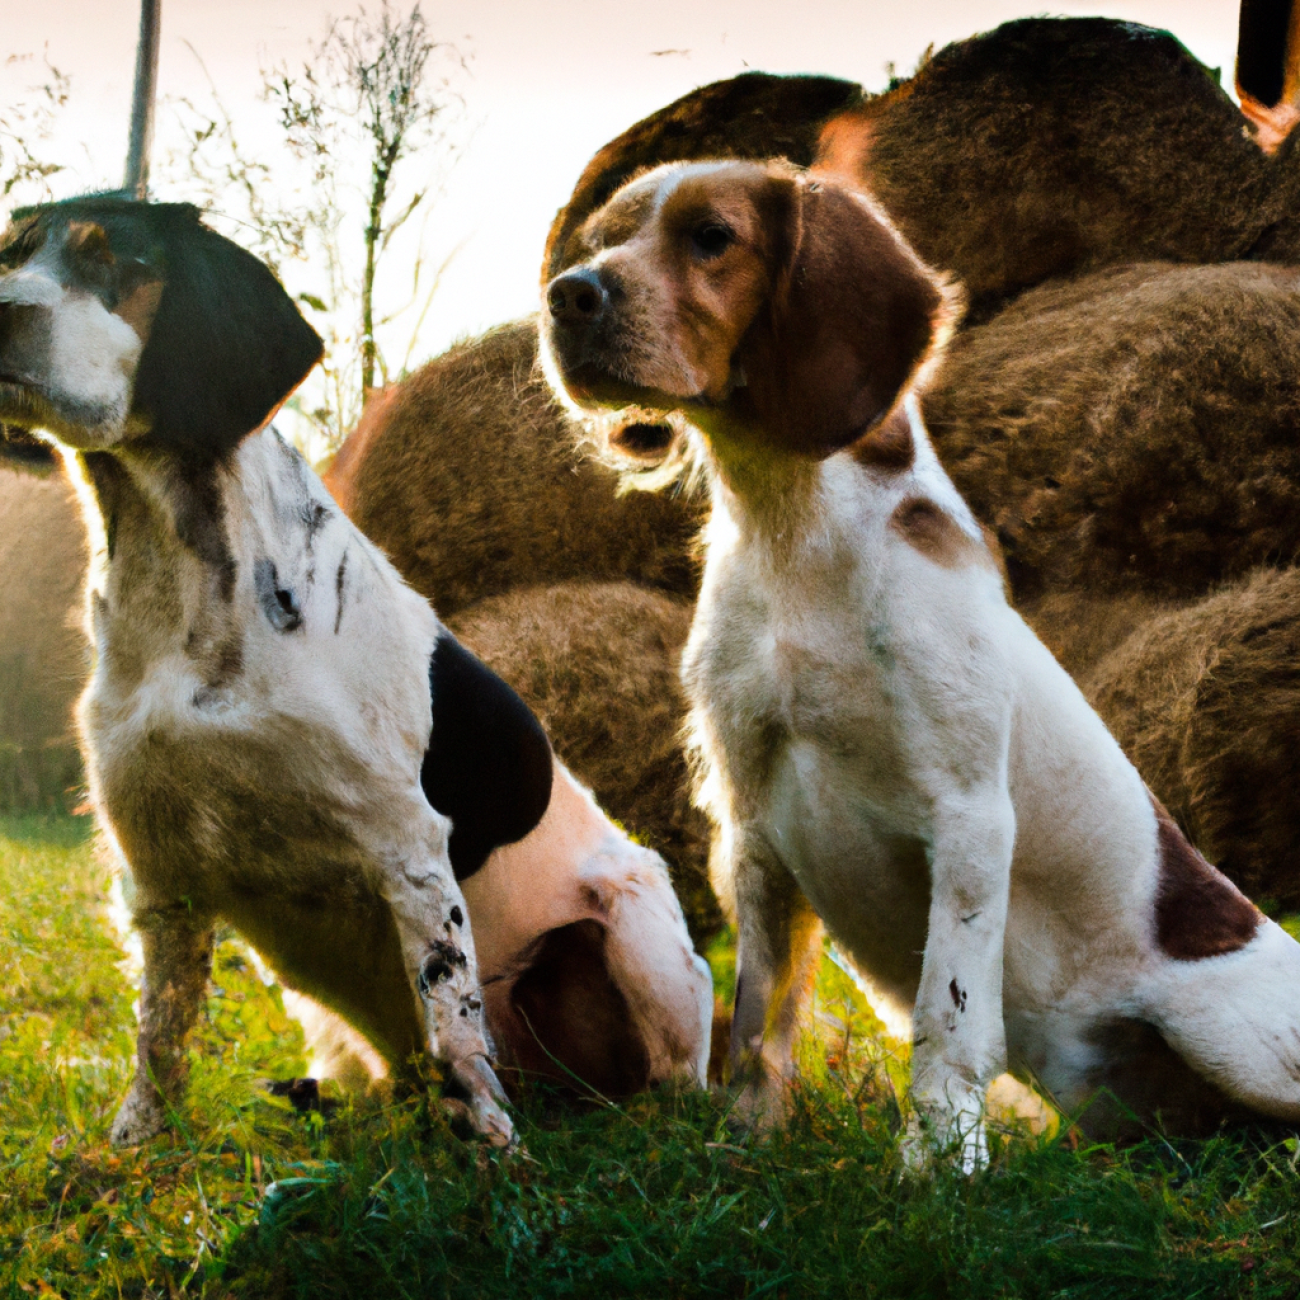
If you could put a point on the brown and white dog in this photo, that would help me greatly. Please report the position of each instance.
(883, 744)
(280, 733)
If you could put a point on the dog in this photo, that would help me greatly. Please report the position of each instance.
(279, 732)
(883, 745)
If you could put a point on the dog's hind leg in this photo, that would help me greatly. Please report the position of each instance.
(777, 950)
(1235, 1018)
(177, 963)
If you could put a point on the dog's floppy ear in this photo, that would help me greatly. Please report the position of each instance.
(226, 347)
(852, 316)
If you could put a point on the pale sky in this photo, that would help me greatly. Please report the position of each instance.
(547, 84)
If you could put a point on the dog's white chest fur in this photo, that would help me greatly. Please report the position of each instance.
(283, 632)
(848, 690)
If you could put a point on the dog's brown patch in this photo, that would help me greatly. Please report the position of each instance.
(936, 534)
(577, 1028)
(140, 306)
(87, 240)
(1199, 911)
(889, 445)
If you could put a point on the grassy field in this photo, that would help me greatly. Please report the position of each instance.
(658, 1198)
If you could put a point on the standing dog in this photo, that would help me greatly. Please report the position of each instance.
(882, 742)
(278, 730)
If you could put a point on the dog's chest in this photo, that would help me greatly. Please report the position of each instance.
(256, 698)
(795, 657)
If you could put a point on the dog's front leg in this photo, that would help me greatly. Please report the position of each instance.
(438, 949)
(777, 948)
(177, 965)
(959, 1037)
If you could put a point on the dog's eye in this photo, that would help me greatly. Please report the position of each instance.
(711, 238)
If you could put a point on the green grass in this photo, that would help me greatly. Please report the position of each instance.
(657, 1198)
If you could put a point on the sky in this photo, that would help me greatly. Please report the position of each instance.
(544, 86)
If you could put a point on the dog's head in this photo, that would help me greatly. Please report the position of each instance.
(759, 301)
(133, 321)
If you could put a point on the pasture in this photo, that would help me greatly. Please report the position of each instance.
(657, 1198)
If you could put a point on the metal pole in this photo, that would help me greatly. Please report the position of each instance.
(136, 183)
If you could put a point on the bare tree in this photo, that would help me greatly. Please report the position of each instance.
(25, 130)
(372, 96)
(371, 71)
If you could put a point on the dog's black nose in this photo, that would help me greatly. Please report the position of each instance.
(577, 298)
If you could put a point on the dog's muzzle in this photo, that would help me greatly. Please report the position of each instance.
(577, 303)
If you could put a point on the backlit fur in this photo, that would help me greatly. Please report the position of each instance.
(886, 748)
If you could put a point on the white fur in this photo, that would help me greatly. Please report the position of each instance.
(576, 865)
(195, 768)
(84, 367)
(885, 729)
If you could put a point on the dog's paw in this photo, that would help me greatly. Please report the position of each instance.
(477, 1088)
(141, 1116)
(929, 1140)
(761, 1106)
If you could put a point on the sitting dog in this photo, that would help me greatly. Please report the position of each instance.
(883, 744)
(278, 731)
(1126, 425)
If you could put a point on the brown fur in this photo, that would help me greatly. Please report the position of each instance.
(927, 527)
(1048, 147)
(43, 654)
(597, 663)
(474, 485)
(573, 1024)
(1206, 701)
(1132, 430)
(1199, 913)
(834, 347)
(889, 445)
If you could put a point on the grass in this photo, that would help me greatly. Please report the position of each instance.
(656, 1198)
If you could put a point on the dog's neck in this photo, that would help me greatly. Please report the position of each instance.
(162, 569)
(770, 496)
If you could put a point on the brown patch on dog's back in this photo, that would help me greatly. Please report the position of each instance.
(936, 534)
(889, 445)
(1199, 911)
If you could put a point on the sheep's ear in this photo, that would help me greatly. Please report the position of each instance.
(852, 316)
(225, 349)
